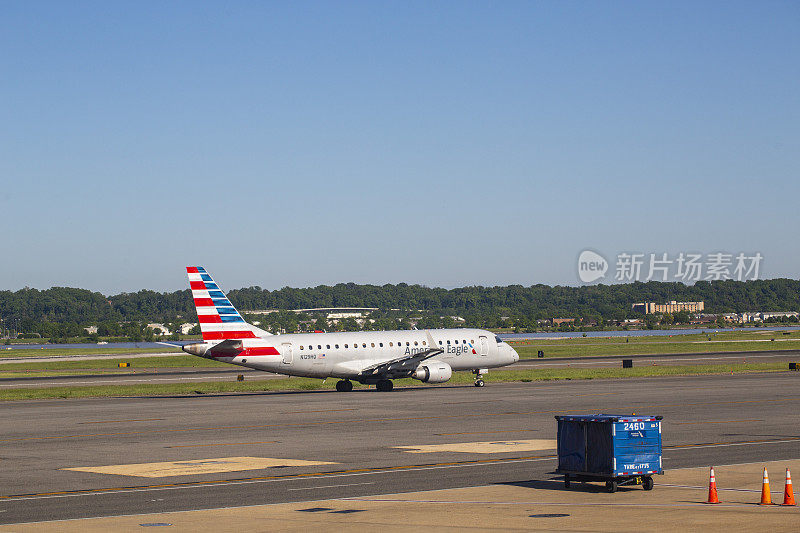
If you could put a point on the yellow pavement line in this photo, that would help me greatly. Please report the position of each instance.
(486, 432)
(734, 443)
(222, 444)
(281, 477)
(317, 411)
(718, 421)
(130, 420)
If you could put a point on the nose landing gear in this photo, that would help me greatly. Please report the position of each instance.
(479, 377)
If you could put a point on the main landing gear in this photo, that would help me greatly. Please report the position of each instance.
(344, 386)
(478, 377)
(384, 385)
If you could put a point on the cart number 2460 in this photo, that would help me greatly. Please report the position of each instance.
(634, 426)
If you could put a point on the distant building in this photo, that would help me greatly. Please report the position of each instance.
(339, 316)
(779, 314)
(649, 308)
(185, 328)
(159, 329)
(759, 316)
(558, 321)
(705, 319)
(732, 317)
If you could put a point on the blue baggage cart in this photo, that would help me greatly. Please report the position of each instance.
(617, 449)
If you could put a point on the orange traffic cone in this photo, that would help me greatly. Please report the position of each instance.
(712, 487)
(766, 496)
(788, 493)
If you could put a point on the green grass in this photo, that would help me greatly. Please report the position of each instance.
(178, 361)
(720, 342)
(301, 384)
(49, 352)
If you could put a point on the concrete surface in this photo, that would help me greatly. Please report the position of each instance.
(708, 420)
(676, 503)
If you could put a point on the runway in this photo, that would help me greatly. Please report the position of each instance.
(187, 375)
(102, 457)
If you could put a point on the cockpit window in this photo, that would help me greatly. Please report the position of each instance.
(498, 339)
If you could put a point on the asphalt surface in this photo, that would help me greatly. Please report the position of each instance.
(708, 420)
(178, 375)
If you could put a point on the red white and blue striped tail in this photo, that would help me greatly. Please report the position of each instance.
(219, 319)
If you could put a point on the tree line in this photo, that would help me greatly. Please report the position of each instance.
(62, 309)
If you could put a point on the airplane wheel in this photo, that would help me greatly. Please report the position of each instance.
(384, 385)
(647, 483)
(611, 486)
(344, 386)
(479, 383)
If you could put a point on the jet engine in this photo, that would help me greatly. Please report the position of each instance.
(433, 373)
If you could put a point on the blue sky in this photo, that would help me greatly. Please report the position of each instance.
(442, 143)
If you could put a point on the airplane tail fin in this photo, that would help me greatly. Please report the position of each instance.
(219, 319)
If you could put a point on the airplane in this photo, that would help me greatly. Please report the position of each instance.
(368, 357)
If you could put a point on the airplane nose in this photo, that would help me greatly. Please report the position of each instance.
(512, 353)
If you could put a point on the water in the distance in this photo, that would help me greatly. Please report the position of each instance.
(636, 333)
(509, 336)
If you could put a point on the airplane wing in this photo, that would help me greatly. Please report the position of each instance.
(172, 344)
(402, 366)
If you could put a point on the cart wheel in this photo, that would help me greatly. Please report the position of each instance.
(566, 482)
(647, 483)
(611, 486)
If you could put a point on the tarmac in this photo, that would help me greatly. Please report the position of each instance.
(288, 451)
(676, 503)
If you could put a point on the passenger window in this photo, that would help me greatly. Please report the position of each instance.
(391, 344)
(355, 345)
(372, 345)
(327, 346)
(464, 342)
(301, 346)
(345, 346)
(407, 343)
(424, 343)
(448, 341)
(364, 345)
(416, 343)
(319, 346)
(310, 347)
(440, 343)
(337, 346)
(456, 341)
(381, 345)
(472, 341)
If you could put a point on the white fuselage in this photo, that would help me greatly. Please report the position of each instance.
(345, 355)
